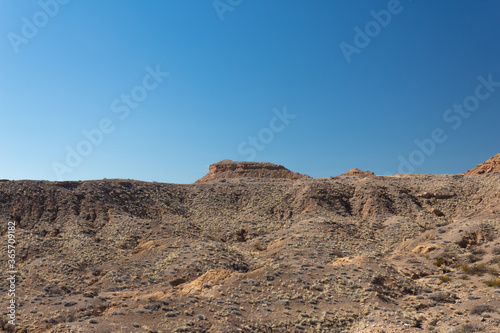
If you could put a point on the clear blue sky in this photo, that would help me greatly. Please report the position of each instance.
(231, 63)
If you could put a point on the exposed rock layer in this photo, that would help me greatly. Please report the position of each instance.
(227, 169)
(491, 165)
(358, 173)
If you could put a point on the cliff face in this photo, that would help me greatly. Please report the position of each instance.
(490, 166)
(231, 169)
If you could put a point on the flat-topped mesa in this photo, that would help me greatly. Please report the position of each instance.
(226, 169)
(490, 166)
(358, 173)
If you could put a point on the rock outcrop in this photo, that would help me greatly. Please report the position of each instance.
(231, 169)
(491, 165)
(358, 173)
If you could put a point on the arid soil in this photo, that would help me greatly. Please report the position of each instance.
(402, 253)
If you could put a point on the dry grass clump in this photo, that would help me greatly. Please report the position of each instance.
(479, 309)
(439, 262)
(259, 247)
(444, 278)
(479, 269)
(493, 283)
(467, 329)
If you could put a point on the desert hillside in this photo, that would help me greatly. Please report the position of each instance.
(256, 247)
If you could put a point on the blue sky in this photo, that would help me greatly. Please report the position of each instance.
(247, 80)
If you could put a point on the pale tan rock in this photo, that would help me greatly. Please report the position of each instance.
(425, 248)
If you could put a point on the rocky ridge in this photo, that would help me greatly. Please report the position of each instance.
(491, 165)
